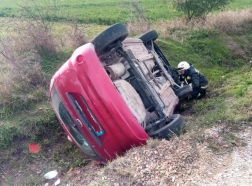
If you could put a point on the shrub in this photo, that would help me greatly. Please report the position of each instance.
(198, 8)
(29, 53)
(38, 19)
(75, 35)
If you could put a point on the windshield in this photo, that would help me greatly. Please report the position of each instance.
(70, 126)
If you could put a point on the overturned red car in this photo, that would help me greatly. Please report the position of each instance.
(115, 93)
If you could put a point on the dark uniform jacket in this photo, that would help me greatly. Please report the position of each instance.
(197, 80)
(194, 78)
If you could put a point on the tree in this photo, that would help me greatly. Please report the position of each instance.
(198, 8)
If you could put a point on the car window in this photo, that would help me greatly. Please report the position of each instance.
(71, 127)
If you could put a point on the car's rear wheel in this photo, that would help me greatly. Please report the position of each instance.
(151, 35)
(176, 124)
(109, 37)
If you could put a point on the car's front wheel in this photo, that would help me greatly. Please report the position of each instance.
(109, 37)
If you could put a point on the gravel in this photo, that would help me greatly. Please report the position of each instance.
(239, 170)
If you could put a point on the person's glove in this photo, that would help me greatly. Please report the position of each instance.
(189, 97)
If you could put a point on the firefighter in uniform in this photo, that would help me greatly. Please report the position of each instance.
(191, 76)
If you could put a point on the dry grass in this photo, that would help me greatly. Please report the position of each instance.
(6, 82)
(228, 21)
(18, 51)
(72, 37)
(20, 62)
(22, 81)
(20, 46)
(32, 37)
(186, 160)
(158, 163)
(180, 161)
(137, 28)
(137, 23)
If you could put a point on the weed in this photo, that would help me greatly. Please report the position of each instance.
(137, 23)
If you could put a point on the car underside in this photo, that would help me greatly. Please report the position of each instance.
(149, 85)
(142, 81)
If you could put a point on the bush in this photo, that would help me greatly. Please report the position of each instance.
(198, 8)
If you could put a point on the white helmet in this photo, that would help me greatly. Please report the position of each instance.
(183, 66)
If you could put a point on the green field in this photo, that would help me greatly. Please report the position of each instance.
(110, 11)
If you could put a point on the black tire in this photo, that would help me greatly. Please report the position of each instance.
(116, 32)
(183, 92)
(151, 35)
(177, 123)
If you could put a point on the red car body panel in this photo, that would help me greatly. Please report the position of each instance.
(84, 76)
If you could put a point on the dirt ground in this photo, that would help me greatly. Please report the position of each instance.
(184, 160)
(237, 168)
(177, 162)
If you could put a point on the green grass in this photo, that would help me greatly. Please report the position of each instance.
(229, 103)
(240, 4)
(100, 12)
(51, 62)
(28, 116)
(29, 124)
(225, 65)
(111, 11)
